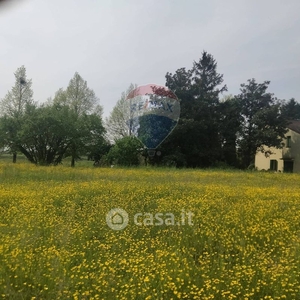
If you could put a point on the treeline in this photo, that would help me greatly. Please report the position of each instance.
(69, 125)
(213, 130)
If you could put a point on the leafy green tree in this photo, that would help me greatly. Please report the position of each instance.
(48, 132)
(89, 137)
(126, 152)
(78, 96)
(82, 101)
(21, 94)
(44, 135)
(9, 134)
(118, 123)
(261, 121)
(12, 108)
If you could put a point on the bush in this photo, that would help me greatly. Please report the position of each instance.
(125, 152)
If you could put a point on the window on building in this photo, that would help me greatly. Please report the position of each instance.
(273, 164)
(288, 141)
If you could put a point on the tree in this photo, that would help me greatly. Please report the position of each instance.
(118, 123)
(46, 134)
(9, 130)
(78, 96)
(262, 123)
(291, 110)
(181, 84)
(43, 135)
(88, 137)
(230, 120)
(15, 101)
(13, 106)
(196, 136)
(126, 152)
(82, 101)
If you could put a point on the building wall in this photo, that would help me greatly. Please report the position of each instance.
(263, 163)
(292, 154)
(294, 151)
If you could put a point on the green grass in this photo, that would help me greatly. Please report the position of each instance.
(55, 243)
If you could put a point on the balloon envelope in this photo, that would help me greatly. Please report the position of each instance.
(154, 113)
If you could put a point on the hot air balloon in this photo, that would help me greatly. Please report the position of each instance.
(154, 113)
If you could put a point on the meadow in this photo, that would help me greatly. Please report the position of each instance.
(55, 244)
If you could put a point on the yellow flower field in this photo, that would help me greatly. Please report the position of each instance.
(55, 244)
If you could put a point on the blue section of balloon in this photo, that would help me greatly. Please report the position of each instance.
(153, 115)
(151, 129)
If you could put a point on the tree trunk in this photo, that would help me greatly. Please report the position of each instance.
(14, 157)
(73, 162)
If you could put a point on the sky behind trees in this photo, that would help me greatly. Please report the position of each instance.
(114, 43)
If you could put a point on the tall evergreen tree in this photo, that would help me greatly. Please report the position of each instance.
(197, 134)
(291, 110)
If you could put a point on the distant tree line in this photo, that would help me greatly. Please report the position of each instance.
(214, 130)
(69, 125)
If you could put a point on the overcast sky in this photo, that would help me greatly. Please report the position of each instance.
(113, 43)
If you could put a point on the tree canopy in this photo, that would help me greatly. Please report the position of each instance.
(117, 125)
(213, 129)
(12, 109)
(69, 125)
(262, 123)
(196, 136)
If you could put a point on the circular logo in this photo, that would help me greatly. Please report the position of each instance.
(117, 219)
